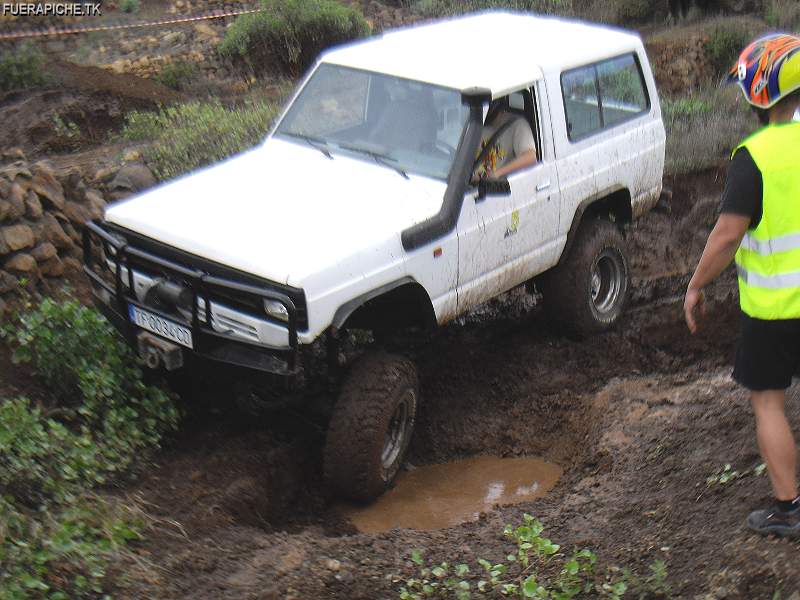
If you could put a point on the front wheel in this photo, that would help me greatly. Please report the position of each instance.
(371, 426)
(587, 292)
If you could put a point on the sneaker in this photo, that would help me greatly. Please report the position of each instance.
(775, 521)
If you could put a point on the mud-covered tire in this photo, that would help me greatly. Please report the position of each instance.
(587, 292)
(362, 457)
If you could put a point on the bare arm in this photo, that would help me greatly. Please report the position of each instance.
(723, 241)
(523, 161)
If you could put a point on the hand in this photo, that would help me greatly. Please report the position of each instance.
(694, 306)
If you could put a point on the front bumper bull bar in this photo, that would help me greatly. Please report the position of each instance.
(211, 344)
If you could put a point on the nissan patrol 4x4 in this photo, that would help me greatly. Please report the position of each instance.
(362, 209)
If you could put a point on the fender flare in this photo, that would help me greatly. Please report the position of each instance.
(348, 308)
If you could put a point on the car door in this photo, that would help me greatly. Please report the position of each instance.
(506, 239)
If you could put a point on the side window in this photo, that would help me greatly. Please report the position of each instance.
(621, 89)
(602, 95)
(581, 104)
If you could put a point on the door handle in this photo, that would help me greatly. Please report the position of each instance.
(543, 186)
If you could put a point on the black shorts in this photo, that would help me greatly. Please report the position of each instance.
(768, 354)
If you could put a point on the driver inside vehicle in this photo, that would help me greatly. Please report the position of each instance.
(507, 143)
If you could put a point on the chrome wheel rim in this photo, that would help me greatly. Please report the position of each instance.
(396, 434)
(606, 281)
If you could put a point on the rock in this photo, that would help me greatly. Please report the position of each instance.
(332, 564)
(3, 308)
(173, 39)
(53, 267)
(72, 264)
(132, 156)
(44, 251)
(76, 213)
(33, 206)
(97, 206)
(105, 174)
(8, 283)
(118, 195)
(5, 188)
(21, 264)
(48, 188)
(53, 232)
(204, 30)
(16, 237)
(14, 154)
(134, 177)
(17, 200)
(5, 209)
(73, 233)
(73, 185)
(14, 170)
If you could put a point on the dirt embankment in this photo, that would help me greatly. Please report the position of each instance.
(638, 418)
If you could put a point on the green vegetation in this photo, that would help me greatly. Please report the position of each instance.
(56, 534)
(783, 14)
(23, 68)
(192, 135)
(634, 11)
(723, 46)
(129, 6)
(704, 127)
(726, 474)
(287, 35)
(440, 8)
(178, 75)
(535, 569)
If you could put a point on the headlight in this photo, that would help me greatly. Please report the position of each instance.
(276, 310)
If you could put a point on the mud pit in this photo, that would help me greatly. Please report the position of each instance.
(638, 419)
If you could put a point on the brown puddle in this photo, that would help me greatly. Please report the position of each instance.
(439, 496)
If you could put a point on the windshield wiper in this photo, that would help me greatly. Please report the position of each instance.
(381, 159)
(313, 142)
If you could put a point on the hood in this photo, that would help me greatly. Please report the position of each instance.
(284, 211)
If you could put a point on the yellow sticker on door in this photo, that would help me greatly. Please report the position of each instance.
(512, 229)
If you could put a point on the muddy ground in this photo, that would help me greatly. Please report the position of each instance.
(639, 419)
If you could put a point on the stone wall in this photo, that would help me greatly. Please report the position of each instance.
(42, 213)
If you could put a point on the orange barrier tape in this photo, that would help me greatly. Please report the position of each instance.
(13, 35)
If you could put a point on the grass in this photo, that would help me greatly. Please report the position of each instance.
(188, 136)
(57, 534)
(287, 35)
(22, 68)
(444, 8)
(704, 127)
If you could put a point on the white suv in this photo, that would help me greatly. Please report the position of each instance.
(361, 210)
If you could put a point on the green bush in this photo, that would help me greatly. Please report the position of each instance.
(287, 35)
(178, 75)
(704, 127)
(783, 14)
(534, 568)
(192, 135)
(445, 8)
(634, 11)
(23, 68)
(129, 6)
(723, 46)
(56, 536)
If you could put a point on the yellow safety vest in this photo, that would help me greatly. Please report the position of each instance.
(768, 259)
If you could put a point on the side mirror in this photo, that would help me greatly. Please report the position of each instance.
(493, 187)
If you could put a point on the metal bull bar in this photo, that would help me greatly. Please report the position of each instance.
(257, 356)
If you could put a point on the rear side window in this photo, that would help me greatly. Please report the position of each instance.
(603, 94)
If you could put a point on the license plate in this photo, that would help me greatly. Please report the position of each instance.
(159, 326)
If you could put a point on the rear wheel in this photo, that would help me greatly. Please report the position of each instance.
(371, 426)
(587, 292)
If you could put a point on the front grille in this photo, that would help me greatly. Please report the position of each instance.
(239, 301)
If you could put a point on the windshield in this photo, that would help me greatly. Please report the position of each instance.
(400, 124)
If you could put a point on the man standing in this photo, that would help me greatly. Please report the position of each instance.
(759, 224)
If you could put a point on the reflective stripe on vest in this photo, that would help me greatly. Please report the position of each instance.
(768, 259)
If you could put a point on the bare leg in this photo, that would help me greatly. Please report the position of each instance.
(776, 442)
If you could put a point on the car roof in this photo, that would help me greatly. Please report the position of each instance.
(499, 51)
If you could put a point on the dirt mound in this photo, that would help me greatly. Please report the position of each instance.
(78, 109)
